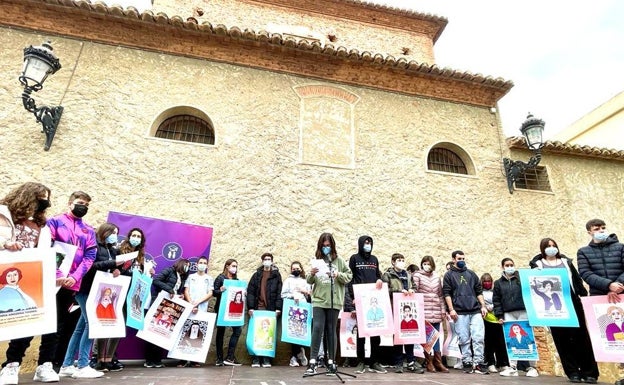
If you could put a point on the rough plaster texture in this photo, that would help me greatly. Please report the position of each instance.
(252, 186)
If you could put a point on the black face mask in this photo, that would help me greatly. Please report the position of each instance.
(296, 273)
(42, 204)
(80, 210)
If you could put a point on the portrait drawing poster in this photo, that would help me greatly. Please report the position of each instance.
(409, 318)
(297, 322)
(136, 299)
(232, 305)
(348, 334)
(450, 348)
(105, 305)
(546, 294)
(606, 330)
(261, 333)
(164, 320)
(27, 293)
(194, 339)
(520, 341)
(374, 313)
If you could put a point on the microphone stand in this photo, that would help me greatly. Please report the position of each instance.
(331, 367)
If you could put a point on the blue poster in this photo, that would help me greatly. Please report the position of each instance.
(520, 341)
(232, 305)
(137, 298)
(261, 333)
(297, 322)
(546, 295)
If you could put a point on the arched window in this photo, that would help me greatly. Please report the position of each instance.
(186, 128)
(443, 159)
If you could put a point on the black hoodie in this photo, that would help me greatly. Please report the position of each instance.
(365, 269)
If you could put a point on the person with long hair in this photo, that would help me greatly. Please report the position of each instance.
(324, 315)
(135, 241)
(230, 271)
(573, 343)
(23, 225)
(427, 282)
(295, 287)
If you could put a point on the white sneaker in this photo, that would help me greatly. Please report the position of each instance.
(532, 372)
(492, 369)
(302, 357)
(67, 371)
(10, 374)
(46, 373)
(458, 365)
(87, 372)
(509, 372)
(293, 361)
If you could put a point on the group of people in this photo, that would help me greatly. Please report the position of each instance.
(477, 306)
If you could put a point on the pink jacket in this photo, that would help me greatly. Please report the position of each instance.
(430, 286)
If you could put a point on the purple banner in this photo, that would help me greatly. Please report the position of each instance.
(165, 242)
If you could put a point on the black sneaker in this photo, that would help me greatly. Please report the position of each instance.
(467, 367)
(93, 362)
(115, 366)
(148, 364)
(219, 362)
(331, 368)
(481, 369)
(311, 368)
(320, 362)
(158, 364)
(118, 363)
(101, 367)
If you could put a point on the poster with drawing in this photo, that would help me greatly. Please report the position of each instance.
(261, 333)
(450, 347)
(164, 320)
(409, 317)
(137, 298)
(194, 339)
(605, 323)
(520, 341)
(546, 293)
(27, 293)
(348, 336)
(297, 322)
(232, 304)
(105, 305)
(374, 313)
(64, 253)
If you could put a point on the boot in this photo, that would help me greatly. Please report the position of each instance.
(437, 363)
(429, 362)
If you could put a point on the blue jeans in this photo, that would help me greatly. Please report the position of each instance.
(80, 339)
(470, 328)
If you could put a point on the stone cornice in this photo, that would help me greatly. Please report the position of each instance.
(80, 19)
(555, 147)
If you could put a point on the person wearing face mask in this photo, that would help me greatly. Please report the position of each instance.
(463, 295)
(230, 271)
(296, 288)
(70, 228)
(573, 343)
(328, 297)
(399, 281)
(264, 293)
(365, 268)
(509, 306)
(601, 264)
(198, 290)
(23, 225)
(428, 283)
(171, 280)
(495, 351)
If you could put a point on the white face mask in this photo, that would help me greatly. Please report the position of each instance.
(426, 268)
(367, 248)
(267, 263)
(551, 251)
(400, 265)
(232, 270)
(202, 267)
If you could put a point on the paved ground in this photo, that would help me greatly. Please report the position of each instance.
(285, 375)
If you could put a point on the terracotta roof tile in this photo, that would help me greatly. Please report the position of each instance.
(556, 147)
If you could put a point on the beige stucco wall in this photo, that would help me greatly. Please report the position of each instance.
(252, 187)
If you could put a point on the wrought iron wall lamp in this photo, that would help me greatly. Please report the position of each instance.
(532, 130)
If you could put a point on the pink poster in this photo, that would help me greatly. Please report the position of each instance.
(374, 313)
(605, 326)
(409, 318)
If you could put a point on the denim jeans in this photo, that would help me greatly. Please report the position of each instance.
(470, 328)
(79, 341)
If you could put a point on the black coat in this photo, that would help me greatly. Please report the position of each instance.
(166, 280)
(601, 264)
(273, 290)
(104, 261)
(507, 295)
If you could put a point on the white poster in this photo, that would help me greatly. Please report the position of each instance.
(164, 320)
(27, 293)
(194, 339)
(105, 305)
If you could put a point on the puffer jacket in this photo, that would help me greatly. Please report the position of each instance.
(273, 290)
(600, 264)
(430, 286)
